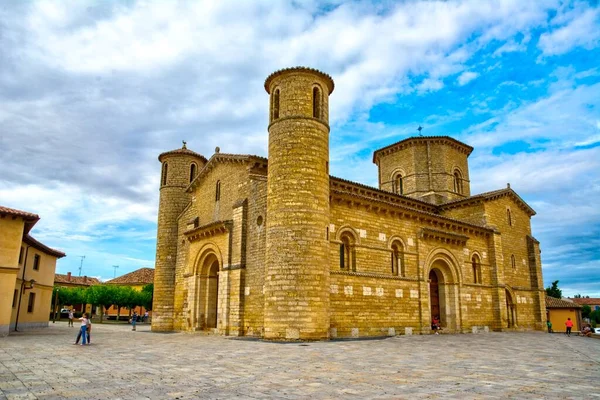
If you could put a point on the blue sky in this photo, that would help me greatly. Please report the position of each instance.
(90, 94)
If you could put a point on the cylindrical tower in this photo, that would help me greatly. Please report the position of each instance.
(297, 266)
(179, 168)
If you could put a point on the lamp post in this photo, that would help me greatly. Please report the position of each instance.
(23, 288)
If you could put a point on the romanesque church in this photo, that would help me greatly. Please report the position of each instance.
(279, 249)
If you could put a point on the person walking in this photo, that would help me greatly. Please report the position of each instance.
(83, 330)
(549, 325)
(569, 325)
(146, 317)
(134, 320)
(70, 317)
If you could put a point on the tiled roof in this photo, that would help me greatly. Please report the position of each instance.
(18, 213)
(490, 196)
(416, 139)
(76, 280)
(589, 302)
(183, 150)
(325, 76)
(224, 157)
(40, 246)
(139, 276)
(552, 302)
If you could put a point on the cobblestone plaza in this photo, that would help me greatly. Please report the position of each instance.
(121, 364)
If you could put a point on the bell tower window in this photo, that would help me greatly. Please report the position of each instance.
(275, 105)
(165, 168)
(218, 191)
(193, 169)
(316, 102)
(398, 184)
(458, 182)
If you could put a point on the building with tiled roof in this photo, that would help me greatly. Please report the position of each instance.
(593, 302)
(27, 269)
(142, 276)
(278, 248)
(136, 280)
(69, 280)
(559, 310)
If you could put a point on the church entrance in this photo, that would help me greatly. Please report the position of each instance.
(212, 295)
(511, 311)
(443, 294)
(434, 294)
(207, 293)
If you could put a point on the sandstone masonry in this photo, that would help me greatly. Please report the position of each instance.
(280, 249)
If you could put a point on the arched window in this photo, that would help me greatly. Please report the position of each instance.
(316, 102)
(458, 182)
(398, 184)
(476, 268)
(347, 261)
(218, 191)
(163, 178)
(397, 258)
(276, 104)
(193, 168)
(513, 262)
(508, 217)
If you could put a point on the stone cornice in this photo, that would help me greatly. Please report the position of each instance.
(444, 236)
(208, 230)
(372, 275)
(434, 220)
(343, 185)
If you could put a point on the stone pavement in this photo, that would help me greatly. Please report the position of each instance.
(121, 364)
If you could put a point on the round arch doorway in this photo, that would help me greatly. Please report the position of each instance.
(208, 293)
(443, 296)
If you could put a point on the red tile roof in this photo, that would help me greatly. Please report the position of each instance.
(40, 246)
(587, 301)
(18, 213)
(141, 276)
(76, 280)
(552, 302)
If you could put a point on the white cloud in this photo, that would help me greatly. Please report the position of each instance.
(430, 85)
(466, 77)
(581, 31)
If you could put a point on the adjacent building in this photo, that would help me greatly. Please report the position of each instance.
(594, 303)
(559, 310)
(136, 280)
(27, 269)
(71, 281)
(278, 248)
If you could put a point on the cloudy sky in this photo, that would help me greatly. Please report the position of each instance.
(92, 92)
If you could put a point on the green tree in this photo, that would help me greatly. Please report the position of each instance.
(554, 291)
(586, 311)
(124, 295)
(134, 300)
(147, 296)
(103, 296)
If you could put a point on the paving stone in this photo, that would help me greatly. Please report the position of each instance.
(121, 364)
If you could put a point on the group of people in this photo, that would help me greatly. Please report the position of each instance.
(86, 325)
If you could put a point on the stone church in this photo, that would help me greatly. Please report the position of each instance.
(279, 249)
